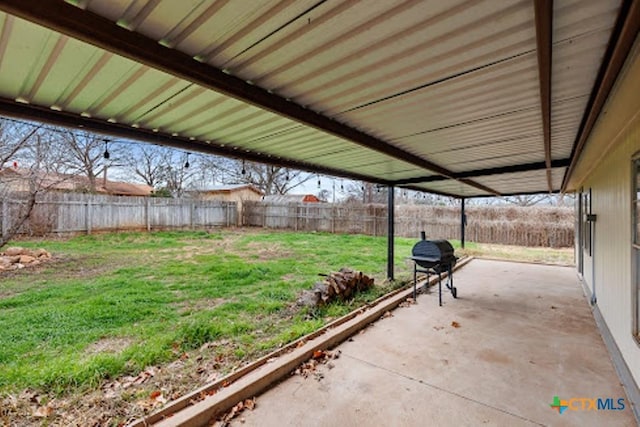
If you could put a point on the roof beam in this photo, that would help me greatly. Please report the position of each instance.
(621, 41)
(524, 167)
(544, 29)
(13, 109)
(89, 27)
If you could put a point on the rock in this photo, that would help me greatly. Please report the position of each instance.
(15, 250)
(26, 259)
(19, 266)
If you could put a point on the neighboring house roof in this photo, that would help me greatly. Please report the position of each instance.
(231, 188)
(292, 198)
(18, 179)
(118, 188)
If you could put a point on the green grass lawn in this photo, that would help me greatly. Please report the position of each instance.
(161, 294)
(112, 304)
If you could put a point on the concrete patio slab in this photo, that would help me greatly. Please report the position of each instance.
(523, 334)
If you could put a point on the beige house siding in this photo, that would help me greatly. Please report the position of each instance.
(611, 185)
(605, 167)
(237, 195)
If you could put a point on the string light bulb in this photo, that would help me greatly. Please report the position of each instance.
(106, 154)
(319, 183)
(186, 164)
(244, 171)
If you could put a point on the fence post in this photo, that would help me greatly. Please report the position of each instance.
(264, 216)
(333, 219)
(375, 222)
(191, 214)
(5, 217)
(226, 211)
(88, 215)
(147, 213)
(297, 214)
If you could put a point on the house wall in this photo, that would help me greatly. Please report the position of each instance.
(606, 169)
(615, 282)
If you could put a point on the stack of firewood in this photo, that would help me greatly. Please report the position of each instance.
(340, 285)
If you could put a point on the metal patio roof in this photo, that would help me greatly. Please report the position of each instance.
(465, 98)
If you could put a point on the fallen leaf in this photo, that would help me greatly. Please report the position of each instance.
(43, 411)
(455, 324)
(155, 394)
(387, 314)
(250, 404)
(318, 354)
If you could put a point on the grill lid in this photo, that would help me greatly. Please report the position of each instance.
(428, 253)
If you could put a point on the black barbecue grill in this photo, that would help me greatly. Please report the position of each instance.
(434, 257)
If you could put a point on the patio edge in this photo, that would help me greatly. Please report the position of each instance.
(258, 376)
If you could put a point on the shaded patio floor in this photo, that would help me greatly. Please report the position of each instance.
(525, 335)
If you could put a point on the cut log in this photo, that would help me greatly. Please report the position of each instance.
(340, 285)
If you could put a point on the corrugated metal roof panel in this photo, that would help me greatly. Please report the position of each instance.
(451, 187)
(521, 182)
(455, 83)
(581, 34)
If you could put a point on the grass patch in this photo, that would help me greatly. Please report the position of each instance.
(166, 293)
(158, 295)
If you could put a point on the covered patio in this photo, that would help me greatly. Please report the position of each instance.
(525, 334)
(464, 99)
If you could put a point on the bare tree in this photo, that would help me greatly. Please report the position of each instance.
(33, 169)
(177, 173)
(527, 199)
(268, 178)
(365, 192)
(88, 155)
(148, 163)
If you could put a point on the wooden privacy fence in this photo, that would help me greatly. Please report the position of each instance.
(85, 213)
(524, 226)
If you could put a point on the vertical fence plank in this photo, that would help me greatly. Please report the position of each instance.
(5, 217)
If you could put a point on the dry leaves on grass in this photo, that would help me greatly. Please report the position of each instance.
(43, 411)
(156, 399)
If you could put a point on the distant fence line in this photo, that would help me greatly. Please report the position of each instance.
(87, 213)
(524, 226)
